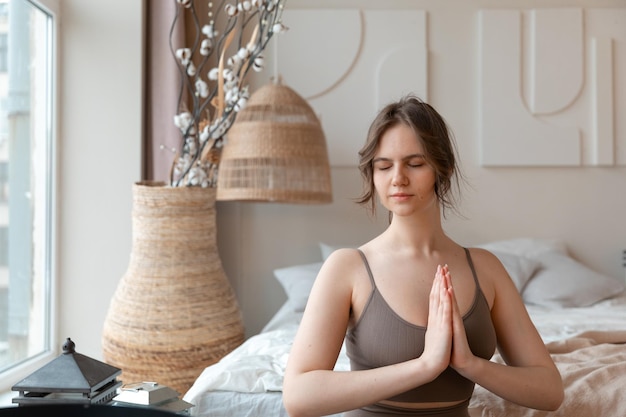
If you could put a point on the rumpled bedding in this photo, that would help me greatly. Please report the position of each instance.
(257, 365)
(587, 345)
(593, 369)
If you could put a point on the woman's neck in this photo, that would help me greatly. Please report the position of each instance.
(421, 232)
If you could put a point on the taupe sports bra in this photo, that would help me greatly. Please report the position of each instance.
(381, 337)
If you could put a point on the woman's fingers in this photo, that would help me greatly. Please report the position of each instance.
(461, 352)
(438, 342)
(435, 293)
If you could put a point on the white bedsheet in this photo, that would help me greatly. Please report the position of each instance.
(257, 367)
(562, 323)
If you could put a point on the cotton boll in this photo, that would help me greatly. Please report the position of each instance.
(182, 164)
(241, 104)
(205, 46)
(279, 28)
(258, 62)
(183, 120)
(202, 88)
(234, 83)
(213, 74)
(197, 175)
(209, 31)
(191, 69)
(183, 55)
(204, 135)
(220, 127)
(234, 61)
(228, 75)
(231, 10)
(230, 95)
(193, 180)
(243, 53)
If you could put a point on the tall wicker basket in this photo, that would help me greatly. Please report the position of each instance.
(174, 311)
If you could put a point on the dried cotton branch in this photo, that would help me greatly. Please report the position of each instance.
(215, 95)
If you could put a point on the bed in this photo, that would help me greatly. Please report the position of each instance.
(580, 314)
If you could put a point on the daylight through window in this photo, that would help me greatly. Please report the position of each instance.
(26, 182)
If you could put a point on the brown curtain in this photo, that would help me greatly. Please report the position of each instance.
(162, 83)
(161, 90)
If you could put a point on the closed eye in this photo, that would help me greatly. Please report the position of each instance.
(382, 165)
(412, 161)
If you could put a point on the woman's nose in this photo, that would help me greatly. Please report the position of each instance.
(399, 177)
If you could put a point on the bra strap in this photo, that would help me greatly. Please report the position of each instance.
(367, 266)
(471, 265)
(467, 254)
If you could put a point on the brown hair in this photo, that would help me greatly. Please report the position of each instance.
(432, 132)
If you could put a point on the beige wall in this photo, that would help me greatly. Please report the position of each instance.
(99, 159)
(583, 205)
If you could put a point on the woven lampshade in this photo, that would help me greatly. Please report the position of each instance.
(275, 151)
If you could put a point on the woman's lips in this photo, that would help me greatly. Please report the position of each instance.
(401, 196)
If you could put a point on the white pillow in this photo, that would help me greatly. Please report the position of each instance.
(564, 282)
(528, 247)
(297, 282)
(519, 268)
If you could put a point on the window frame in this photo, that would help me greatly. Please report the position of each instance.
(16, 373)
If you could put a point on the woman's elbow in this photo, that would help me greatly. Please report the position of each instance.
(292, 409)
(292, 404)
(555, 396)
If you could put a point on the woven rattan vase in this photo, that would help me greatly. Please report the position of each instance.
(174, 311)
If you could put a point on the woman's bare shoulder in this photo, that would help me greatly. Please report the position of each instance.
(343, 270)
(483, 256)
(491, 273)
(343, 260)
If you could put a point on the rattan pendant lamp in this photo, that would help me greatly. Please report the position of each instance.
(275, 151)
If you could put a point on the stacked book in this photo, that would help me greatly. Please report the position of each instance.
(151, 395)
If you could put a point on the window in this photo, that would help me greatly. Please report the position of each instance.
(27, 181)
(3, 46)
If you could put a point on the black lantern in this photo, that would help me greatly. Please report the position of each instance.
(71, 378)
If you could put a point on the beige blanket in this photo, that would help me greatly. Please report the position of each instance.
(593, 368)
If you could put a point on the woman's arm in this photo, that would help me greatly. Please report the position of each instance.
(312, 388)
(530, 377)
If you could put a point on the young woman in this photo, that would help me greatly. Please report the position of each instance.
(421, 315)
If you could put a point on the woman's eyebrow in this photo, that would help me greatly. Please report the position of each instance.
(406, 158)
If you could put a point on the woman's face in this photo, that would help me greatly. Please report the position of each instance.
(404, 181)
